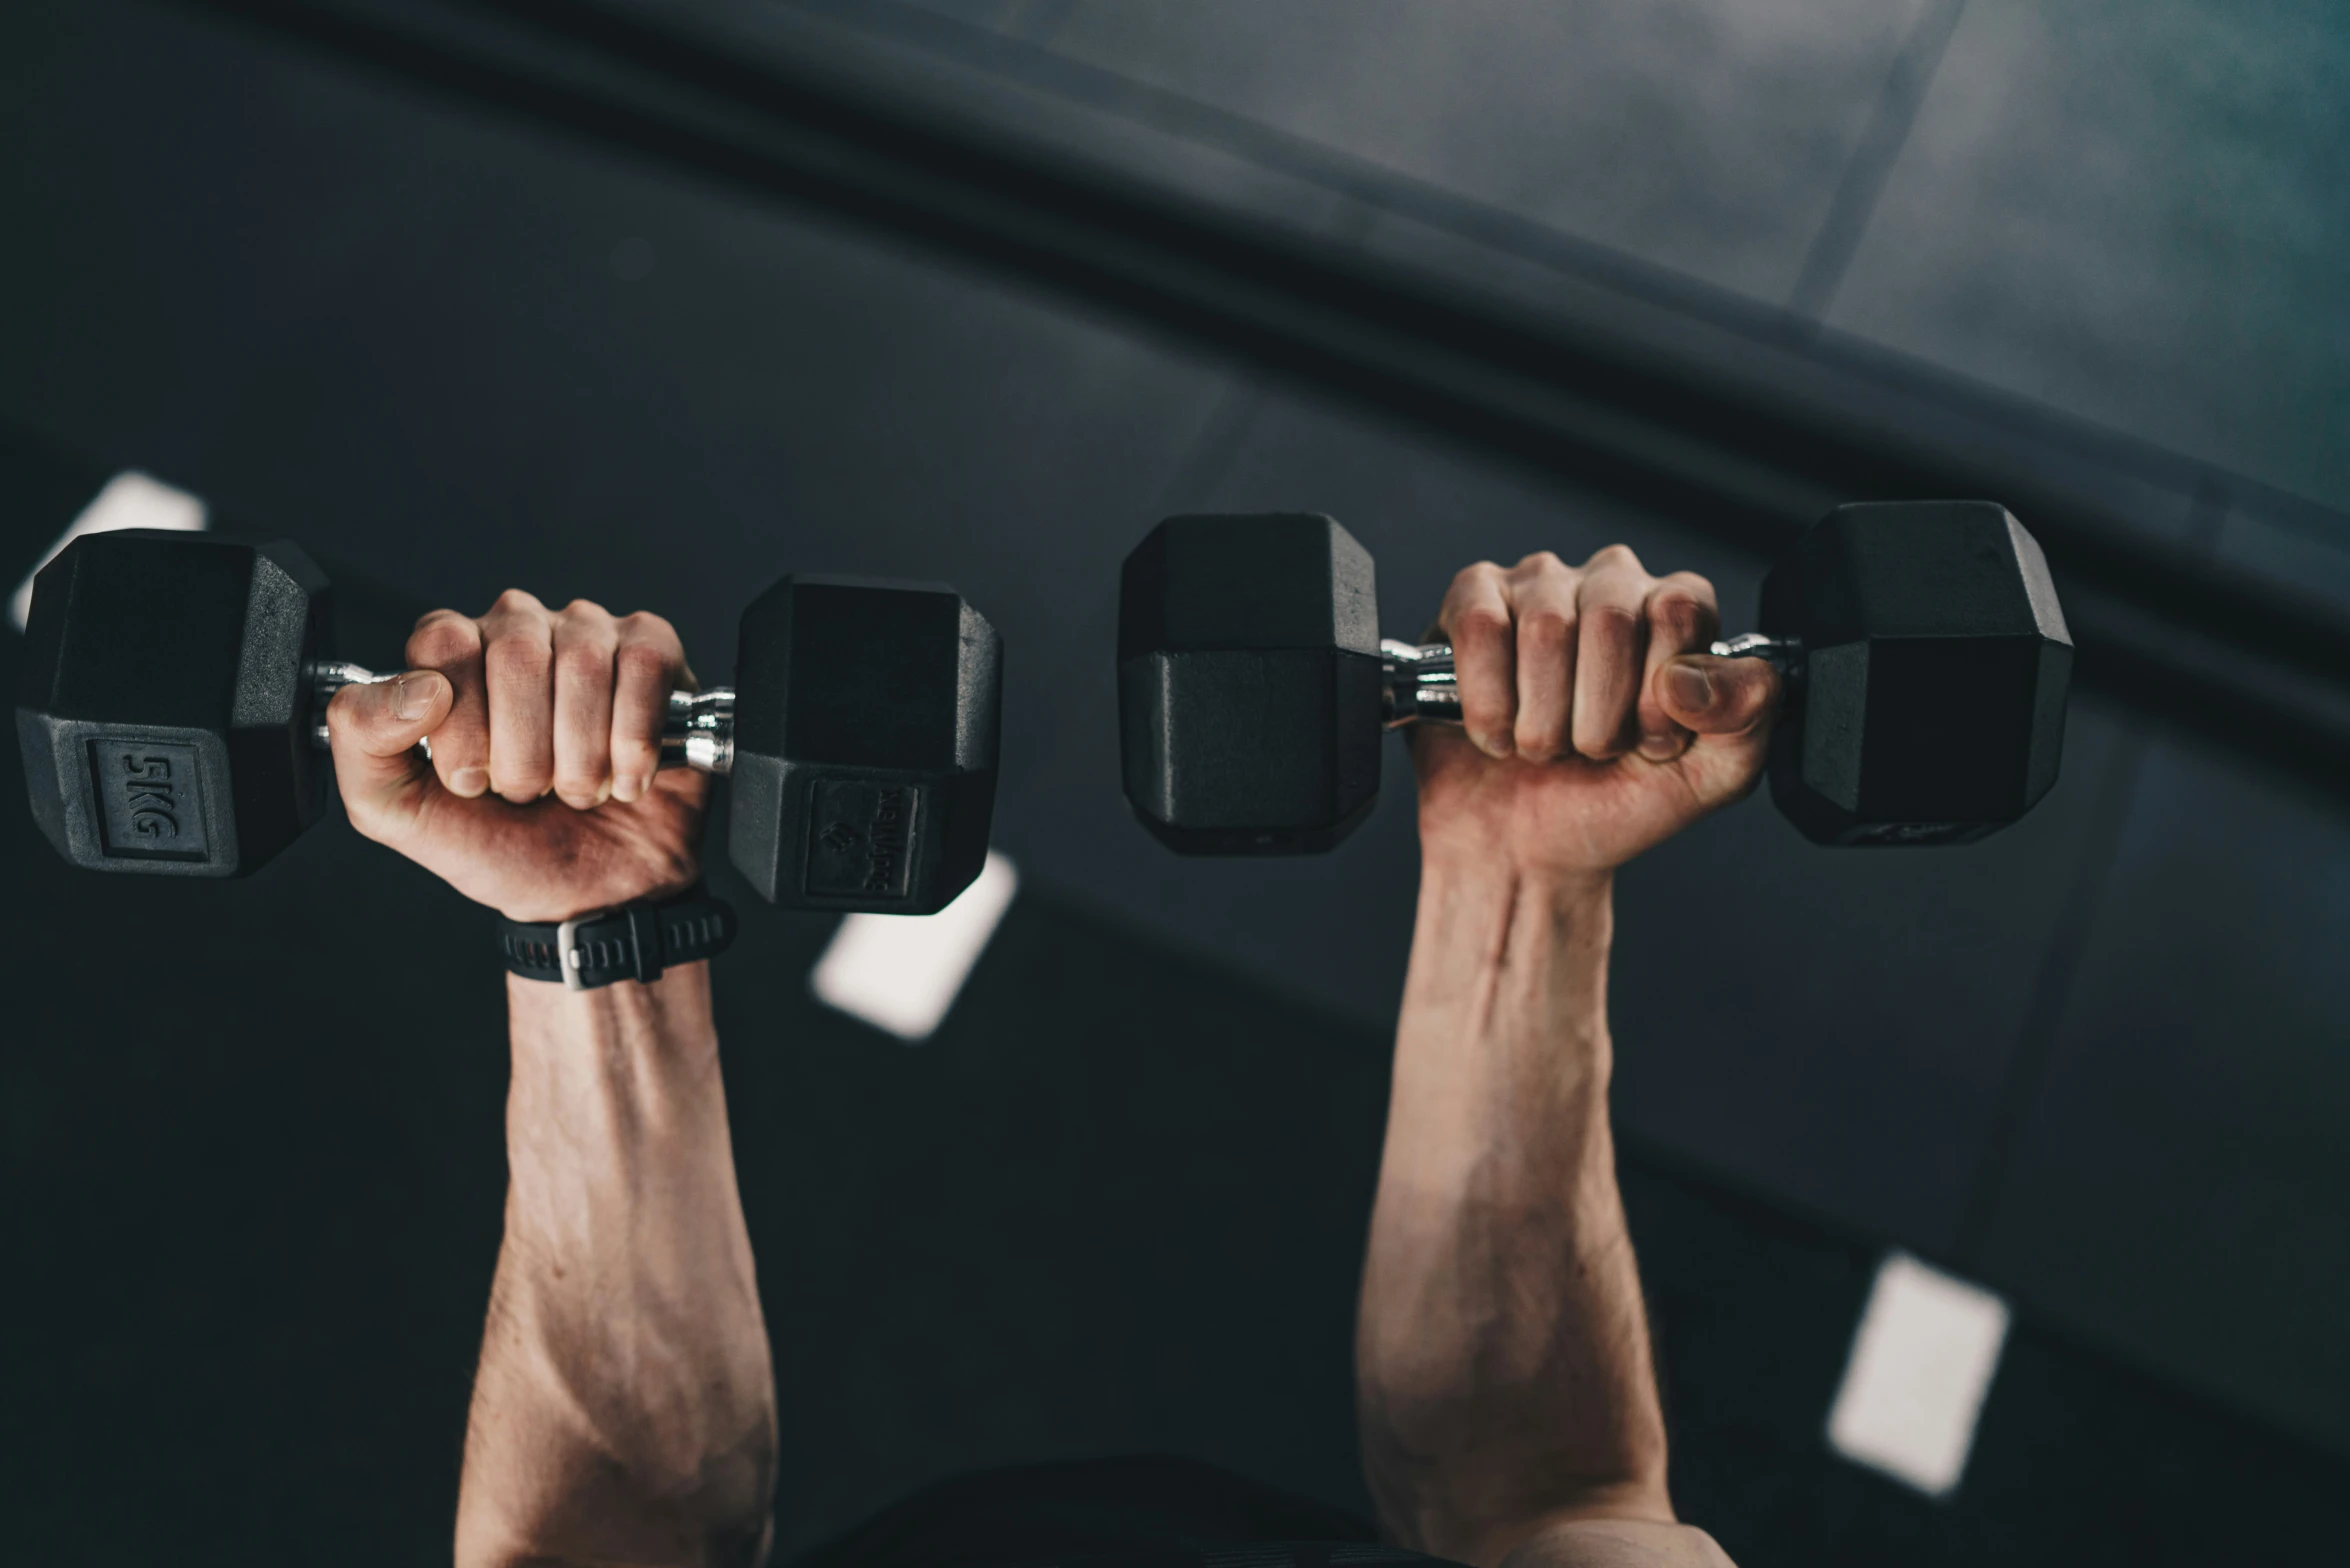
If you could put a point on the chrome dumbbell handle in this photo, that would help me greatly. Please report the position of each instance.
(697, 731)
(1417, 684)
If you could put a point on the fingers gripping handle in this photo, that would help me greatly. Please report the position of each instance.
(1417, 684)
(697, 730)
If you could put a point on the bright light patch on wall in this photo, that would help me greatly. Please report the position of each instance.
(1922, 1361)
(901, 972)
(130, 500)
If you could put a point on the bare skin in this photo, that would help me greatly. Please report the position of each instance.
(624, 1408)
(1508, 1401)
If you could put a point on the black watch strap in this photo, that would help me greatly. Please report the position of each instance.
(633, 942)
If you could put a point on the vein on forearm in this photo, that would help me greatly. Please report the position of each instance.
(1502, 1055)
(1503, 1360)
(625, 1395)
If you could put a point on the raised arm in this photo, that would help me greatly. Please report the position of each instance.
(1509, 1407)
(624, 1408)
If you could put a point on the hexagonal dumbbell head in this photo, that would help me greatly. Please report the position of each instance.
(1936, 661)
(865, 731)
(1248, 683)
(162, 714)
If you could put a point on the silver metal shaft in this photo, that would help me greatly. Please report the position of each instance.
(1417, 684)
(697, 731)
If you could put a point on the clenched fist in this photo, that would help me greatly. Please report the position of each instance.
(1595, 723)
(541, 796)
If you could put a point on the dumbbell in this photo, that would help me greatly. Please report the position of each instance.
(173, 721)
(1925, 654)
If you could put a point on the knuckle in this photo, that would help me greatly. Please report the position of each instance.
(1546, 628)
(442, 637)
(1611, 623)
(519, 652)
(458, 746)
(584, 658)
(517, 601)
(1599, 735)
(1678, 610)
(642, 661)
(1541, 563)
(1474, 576)
(1540, 740)
(1488, 703)
(521, 768)
(1483, 620)
(1489, 691)
(1617, 557)
(582, 781)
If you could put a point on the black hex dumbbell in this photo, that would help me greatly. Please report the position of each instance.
(1926, 656)
(172, 720)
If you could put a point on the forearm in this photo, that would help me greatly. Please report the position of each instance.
(1503, 1360)
(624, 1407)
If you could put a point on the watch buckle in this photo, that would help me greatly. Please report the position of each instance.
(567, 959)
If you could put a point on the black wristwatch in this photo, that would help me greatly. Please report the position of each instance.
(633, 942)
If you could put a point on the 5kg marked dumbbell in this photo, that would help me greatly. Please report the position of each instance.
(173, 721)
(1926, 657)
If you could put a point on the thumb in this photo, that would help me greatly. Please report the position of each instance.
(373, 730)
(1730, 706)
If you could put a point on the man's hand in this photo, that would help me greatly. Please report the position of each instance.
(1595, 723)
(541, 797)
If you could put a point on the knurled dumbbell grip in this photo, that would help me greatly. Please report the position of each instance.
(1416, 683)
(697, 731)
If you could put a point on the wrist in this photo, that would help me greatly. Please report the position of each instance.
(1570, 891)
(552, 906)
(1485, 912)
(672, 1014)
(640, 941)
(1509, 964)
